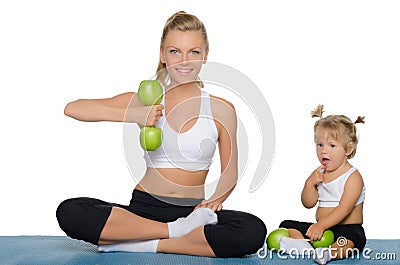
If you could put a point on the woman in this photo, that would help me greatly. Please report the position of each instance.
(167, 212)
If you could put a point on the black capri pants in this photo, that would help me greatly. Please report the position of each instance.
(353, 232)
(236, 234)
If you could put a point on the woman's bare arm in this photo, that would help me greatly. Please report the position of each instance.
(225, 116)
(121, 108)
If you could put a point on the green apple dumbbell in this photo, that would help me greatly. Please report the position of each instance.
(150, 93)
(326, 240)
(274, 238)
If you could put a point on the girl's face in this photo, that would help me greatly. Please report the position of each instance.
(331, 153)
(183, 52)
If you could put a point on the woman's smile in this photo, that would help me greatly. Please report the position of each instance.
(184, 70)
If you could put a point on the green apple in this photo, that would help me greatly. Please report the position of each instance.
(274, 238)
(150, 138)
(326, 240)
(150, 92)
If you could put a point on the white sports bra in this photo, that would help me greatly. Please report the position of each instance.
(331, 192)
(191, 150)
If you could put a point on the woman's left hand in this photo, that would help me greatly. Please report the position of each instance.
(214, 205)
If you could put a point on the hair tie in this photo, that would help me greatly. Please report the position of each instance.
(360, 119)
(318, 111)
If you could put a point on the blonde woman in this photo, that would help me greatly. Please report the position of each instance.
(168, 211)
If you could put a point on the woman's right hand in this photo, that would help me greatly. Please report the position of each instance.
(141, 114)
(146, 115)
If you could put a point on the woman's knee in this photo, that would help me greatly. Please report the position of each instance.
(254, 234)
(83, 218)
(243, 235)
(67, 215)
(64, 211)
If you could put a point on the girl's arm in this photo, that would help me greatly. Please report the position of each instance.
(226, 119)
(309, 195)
(352, 191)
(121, 108)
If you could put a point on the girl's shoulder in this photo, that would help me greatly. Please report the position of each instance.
(354, 178)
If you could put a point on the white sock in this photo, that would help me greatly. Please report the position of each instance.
(184, 225)
(294, 246)
(322, 255)
(149, 245)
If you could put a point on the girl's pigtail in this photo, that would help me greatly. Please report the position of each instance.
(360, 119)
(318, 111)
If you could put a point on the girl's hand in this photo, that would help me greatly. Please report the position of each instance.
(315, 232)
(317, 176)
(214, 205)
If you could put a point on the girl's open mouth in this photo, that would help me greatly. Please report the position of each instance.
(325, 161)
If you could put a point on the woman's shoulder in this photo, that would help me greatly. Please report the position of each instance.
(223, 111)
(221, 102)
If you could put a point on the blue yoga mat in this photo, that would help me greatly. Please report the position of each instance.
(61, 250)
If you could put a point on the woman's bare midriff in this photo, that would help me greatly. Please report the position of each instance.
(173, 182)
(355, 217)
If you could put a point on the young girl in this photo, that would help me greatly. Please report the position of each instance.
(337, 186)
(168, 212)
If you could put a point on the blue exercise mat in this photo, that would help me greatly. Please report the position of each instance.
(61, 250)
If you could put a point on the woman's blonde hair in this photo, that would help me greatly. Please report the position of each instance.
(340, 126)
(184, 22)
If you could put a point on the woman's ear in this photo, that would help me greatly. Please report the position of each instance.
(162, 57)
(205, 57)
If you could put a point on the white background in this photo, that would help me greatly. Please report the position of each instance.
(343, 54)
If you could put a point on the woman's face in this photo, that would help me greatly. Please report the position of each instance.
(183, 53)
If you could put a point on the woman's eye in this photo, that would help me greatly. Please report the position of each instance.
(173, 51)
(195, 52)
